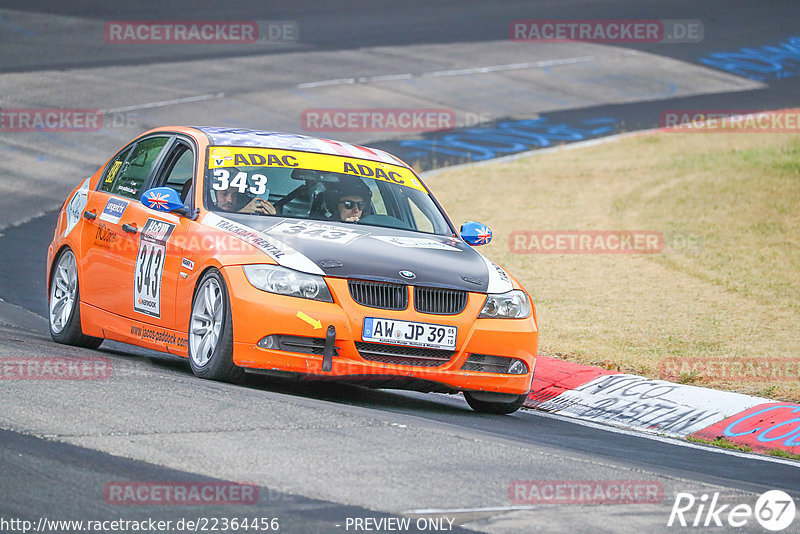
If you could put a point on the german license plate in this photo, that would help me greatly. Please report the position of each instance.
(432, 336)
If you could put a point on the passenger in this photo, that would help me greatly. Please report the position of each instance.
(348, 200)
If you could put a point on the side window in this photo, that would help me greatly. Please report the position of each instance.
(378, 204)
(421, 221)
(133, 173)
(179, 170)
(107, 181)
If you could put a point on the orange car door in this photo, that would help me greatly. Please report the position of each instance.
(102, 241)
(158, 260)
(124, 238)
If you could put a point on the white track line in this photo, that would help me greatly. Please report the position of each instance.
(338, 81)
(164, 103)
(455, 72)
(438, 511)
(389, 77)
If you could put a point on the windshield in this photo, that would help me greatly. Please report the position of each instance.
(301, 185)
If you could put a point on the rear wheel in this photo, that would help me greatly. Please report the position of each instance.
(211, 331)
(494, 403)
(65, 304)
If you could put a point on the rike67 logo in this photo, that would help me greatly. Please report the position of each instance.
(774, 510)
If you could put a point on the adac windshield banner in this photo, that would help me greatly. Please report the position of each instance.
(270, 157)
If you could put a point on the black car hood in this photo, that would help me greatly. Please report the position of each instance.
(346, 250)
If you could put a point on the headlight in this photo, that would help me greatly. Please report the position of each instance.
(283, 281)
(511, 305)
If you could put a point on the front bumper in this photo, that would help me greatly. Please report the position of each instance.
(257, 314)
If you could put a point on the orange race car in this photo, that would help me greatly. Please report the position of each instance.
(268, 252)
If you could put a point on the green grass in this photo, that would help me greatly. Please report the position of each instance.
(726, 285)
(721, 442)
(780, 453)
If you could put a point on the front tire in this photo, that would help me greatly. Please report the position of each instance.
(484, 402)
(211, 331)
(64, 303)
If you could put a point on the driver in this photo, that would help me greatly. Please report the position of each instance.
(233, 201)
(348, 200)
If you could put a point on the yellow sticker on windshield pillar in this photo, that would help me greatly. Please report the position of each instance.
(271, 157)
(112, 172)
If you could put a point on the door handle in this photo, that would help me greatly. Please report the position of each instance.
(89, 215)
(130, 229)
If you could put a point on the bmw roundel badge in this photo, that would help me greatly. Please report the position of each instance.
(408, 274)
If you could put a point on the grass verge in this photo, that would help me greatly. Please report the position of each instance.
(722, 442)
(780, 453)
(718, 307)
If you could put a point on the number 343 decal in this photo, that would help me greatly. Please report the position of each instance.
(150, 267)
(223, 181)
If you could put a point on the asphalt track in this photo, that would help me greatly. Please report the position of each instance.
(323, 453)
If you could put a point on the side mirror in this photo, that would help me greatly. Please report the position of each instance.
(475, 233)
(162, 199)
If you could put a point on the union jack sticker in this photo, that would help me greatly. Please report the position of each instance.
(484, 235)
(158, 201)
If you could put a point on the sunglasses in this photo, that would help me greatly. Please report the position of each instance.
(350, 204)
